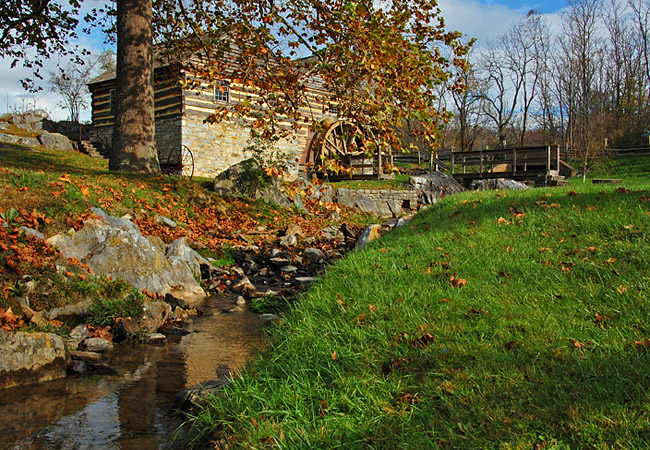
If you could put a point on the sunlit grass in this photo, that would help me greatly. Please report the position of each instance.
(505, 320)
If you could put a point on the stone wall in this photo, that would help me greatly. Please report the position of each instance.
(383, 203)
(217, 146)
(168, 139)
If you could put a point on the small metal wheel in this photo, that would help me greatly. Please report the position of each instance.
(187, 163)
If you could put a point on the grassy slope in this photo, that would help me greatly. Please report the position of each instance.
(53, 191)
(536, 351)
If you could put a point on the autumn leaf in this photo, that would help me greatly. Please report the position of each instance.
(457, 282)
(503, 220)
(598, 321)
(423, 341)
(372, 308)
(334, 355)
(578, 344)
(621, 289)
(65, 178)
(479, 312)
(84, 190)
(508, 249)
(545, 249)
(511, 345)
(628, 227)
(572, 193)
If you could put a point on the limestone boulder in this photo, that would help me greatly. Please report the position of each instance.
(369, 234)
(155, 315)
(30, 358)
(20, 140)
(498, 185)
(179, 252)
(115, 247)
(55, 141)
(434, 186)
(248, 179)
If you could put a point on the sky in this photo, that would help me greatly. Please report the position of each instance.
(480, 19)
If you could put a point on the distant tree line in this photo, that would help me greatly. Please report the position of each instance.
(581, 86)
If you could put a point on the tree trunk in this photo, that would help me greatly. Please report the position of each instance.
(134, 147)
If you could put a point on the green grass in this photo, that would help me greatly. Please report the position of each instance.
(535, 349)
(397, 183)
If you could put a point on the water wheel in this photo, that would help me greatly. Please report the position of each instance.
(341, 149)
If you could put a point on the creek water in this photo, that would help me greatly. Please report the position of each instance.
(135, 409)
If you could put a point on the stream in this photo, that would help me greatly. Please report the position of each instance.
(135, 409)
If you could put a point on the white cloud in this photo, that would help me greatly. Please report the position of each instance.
(485, 21)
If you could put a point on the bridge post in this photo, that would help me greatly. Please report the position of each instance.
(480, 170)
(452, 162)
(548, 160)
(514, 161)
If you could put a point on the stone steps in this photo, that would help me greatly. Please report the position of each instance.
(94, 150)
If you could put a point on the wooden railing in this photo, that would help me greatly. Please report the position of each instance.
(515, 163)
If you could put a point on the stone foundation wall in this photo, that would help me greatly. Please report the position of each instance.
(217, 146)
(168, 139)
(383, 203)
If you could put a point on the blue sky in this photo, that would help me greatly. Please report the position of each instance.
(545, 7)
(480, 19)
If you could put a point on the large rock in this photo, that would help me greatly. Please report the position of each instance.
(71, 313)
(179, 252)
(55, 141)
(155, 315)
(115, 247)
(21, 140)
(247, 179)
(498, 184)
(30, 358)
(433, 186)
(369, 234)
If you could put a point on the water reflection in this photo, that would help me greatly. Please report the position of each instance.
(134, 410)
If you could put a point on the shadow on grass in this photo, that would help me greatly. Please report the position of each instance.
(71, 162)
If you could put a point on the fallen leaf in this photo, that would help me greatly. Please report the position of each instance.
(578, 344)
(572, 193)
(423, 341)
(599, 320)
(478, 311)
(508, 249)
(334, 355)
(545, 249)
(372, 308)
(621, 289)
(457, 282)
(628, 227)
(503, 220)
(84, 190)
(510, 345)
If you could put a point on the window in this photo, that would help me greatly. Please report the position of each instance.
(333, 109)
(221, 92)
(112, 101)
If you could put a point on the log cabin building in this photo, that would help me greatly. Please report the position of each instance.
(180, 121)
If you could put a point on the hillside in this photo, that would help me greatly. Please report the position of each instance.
(509, 320)
(52, 191)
